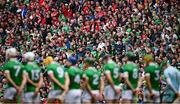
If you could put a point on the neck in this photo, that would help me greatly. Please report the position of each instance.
(30, 62)
(13, 59)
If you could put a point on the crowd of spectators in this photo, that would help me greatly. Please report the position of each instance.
(93, 28)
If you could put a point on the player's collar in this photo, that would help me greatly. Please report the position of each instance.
(130, 62)
(13, 59)
(110, 61)
(93, 68)
(152, 64)
(53, 62)
(30, 62)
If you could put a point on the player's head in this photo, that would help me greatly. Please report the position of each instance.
(29, 56)
(106, 58)
(48, 60)
(164, 65)
(131, 56)
(11, 53)
(148, 58)
(88, 62)
(72, 60)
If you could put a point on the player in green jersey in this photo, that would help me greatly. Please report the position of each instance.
(152, 78)
(131, 79)
(34, 79)
(75, 75)
(59, 78)
(93, 83)
(16, 79)
(113, 78)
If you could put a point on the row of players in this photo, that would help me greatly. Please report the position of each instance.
(73, 85)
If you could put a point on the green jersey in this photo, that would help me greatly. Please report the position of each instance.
(16, 71)
(133, 72)
(59, 73)
(154, 71)
(115, 71)
(93, 76)
(75, 75)
(34, 73)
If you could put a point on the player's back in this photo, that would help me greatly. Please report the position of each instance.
(75, 75)
(154, 71)
(58, 71)
(93, 76)
(16, 71)
(114, 69)
(33, 71)
(133, 72)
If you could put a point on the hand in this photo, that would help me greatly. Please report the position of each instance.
(17, 88)
(20, 91)
(62, 97)
(136, 91)
(101, 97)
(118, 91)
(36, 92)
(94, 97)
(152, 95)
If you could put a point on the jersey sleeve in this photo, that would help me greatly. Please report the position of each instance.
(106, 69)
(1, 68)
(49, 70)
(124, 68)
(5, 67)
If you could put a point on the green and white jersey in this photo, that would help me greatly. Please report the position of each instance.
(34, 73)
(133, 73)
(59, 73)
(114, 69)
(75, 75)
(154, 71)
(16, 70)
(93, 76)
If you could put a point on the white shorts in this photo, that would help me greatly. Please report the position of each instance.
(29, 97)
(10, 93)
(127, 95)
(86, 97)
(73, 96)
(54, 94)
(110, 94)
(156, 98)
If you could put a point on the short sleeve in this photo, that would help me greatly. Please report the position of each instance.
(5, 67)
(106, 69)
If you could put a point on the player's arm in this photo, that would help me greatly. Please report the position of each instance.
(23, 82)
(30, 81)
(147, 78)
(51, 75)
(126, 77)
(7, 75)
(120, 76)
(39, 83)
(101, 90)
(67, 82)
(87, 86)
(109, 79)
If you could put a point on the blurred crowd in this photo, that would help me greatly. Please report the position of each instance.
(91, 28)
